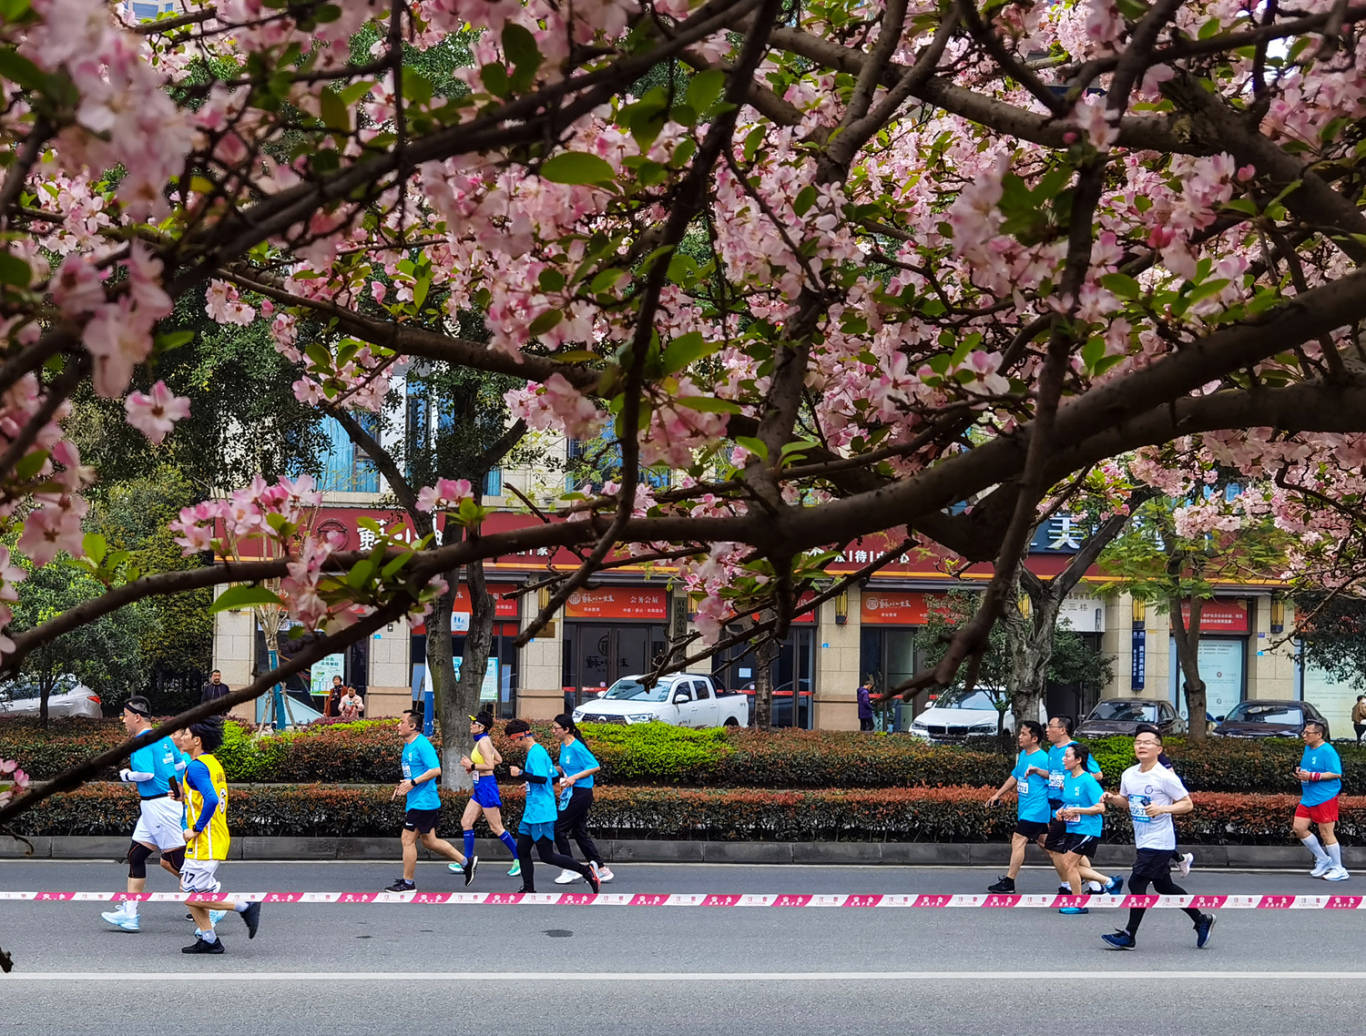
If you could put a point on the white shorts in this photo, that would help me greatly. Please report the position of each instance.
(200, 876)
(161, 824)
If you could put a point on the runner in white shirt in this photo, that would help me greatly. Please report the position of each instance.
(1153, 795)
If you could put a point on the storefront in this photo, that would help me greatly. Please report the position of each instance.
(889, 622)
(1225, 625)
(611, 632)
(499, 690)
(793, 670)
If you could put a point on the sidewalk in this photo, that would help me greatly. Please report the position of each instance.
(936, 854)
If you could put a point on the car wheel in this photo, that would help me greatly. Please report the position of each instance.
(731, 721)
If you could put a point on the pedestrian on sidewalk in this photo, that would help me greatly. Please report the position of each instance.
(333, 705)
(1359, 716)
(351, 705)
(1153, 794)
(540, 813)
(207, 837)
(1082, 806)
(421, 771)
(484, 797)
(865, 706)
(1320, 777)
(215, 688)
(1029, 780)
(578, 767)
(152, 768)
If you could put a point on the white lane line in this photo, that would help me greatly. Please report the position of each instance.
(664, 976)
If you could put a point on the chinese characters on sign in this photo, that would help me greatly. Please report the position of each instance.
(1140, 667)
(1061, 534)
(618, 602)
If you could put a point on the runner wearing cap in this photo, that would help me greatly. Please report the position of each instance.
(421, 769)
(540, 813)
(1153, 794)
(1029, 780)
(1080, 812)
(1320, 777)
(1059, 734)
(207, 838)
(151, 767)
(484, 797)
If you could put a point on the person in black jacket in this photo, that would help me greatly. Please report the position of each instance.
(215, 688)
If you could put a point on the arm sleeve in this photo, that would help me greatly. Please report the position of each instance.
(533, 778)
(142, 764)
(197, 777)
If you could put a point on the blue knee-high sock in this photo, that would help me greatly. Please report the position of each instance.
(469, 843)
(510, 842)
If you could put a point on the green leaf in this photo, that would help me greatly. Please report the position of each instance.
(551, 279)
(805, 199)
(30, 464)
(1122, 285)
(243, 597)
(607, 279)
(705, 89)
(708, 404)
(173, 340)
(577, 167)
(95, 546)
(360, 573)
(14, 270)
(520, 47)
(755, 446)
(335, 112)
(21, 71)
(496, 79)
(686, 349)
(545, 322)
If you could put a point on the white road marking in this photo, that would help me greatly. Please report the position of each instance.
(664, 976)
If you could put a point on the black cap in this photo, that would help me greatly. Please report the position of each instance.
(484, 719)
(516, 726)
(138, 704)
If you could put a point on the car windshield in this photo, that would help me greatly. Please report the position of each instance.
(962, 699)
(633, 690)
(1125, 712)
(1254, 712)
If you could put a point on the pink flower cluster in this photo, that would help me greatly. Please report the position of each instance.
(245, 516)
(447, 495)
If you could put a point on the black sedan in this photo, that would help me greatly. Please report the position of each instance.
(1123, 716)
(1266, 718)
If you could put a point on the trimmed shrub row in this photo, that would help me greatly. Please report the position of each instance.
(893, 815)
(657, 755)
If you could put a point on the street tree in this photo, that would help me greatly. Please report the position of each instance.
(871, 263)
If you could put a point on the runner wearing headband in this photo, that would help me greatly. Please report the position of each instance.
(538, 817)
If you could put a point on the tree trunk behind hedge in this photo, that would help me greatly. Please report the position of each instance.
(1187, 637)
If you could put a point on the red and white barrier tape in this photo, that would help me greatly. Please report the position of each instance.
(703, 899)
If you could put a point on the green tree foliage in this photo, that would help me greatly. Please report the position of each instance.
(1334, 632)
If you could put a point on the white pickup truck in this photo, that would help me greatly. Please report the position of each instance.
(680, 700)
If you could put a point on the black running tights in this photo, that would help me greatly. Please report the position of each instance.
(548, 854)
(1163, 886)
(573, 823)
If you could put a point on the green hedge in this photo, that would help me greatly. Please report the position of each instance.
(662, 756)
(736, 814)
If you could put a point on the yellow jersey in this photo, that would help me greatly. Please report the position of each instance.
(213, 843)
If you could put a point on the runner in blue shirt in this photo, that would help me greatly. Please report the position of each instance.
(1059, 734)
(578, 765)
(540, 812)
(1083, 802)
(1029, 780)
(421, 770)
(1320, 777)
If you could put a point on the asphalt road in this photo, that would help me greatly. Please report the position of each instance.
(419, 969)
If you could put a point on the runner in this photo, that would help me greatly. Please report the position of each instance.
(207, 838)
(538, 816)
(1153, 794)
(1059, 734)
(421, 769)
(152, 768)
(1320, 776)
(484, 798)
(578, 766)
(1030, 781)
(1081, 813)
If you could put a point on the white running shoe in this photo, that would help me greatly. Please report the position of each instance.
(127, 922)
(566, 877)
(1187, 862)
(603, 872)
(1095, 888)
(1337, 874)
(1321, 868)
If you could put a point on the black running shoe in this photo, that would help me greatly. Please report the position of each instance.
(252, 916)
(526, 890)
(200, 946)
(1203, 927)
(469, 868)
(1003, 887)
(593, 882)
(1063, 890)
(401, 886)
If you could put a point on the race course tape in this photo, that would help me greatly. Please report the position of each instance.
(700, 899)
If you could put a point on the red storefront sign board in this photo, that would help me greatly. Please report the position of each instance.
(503, 608)
(897, 607)
(618, 602)
(1221, 616)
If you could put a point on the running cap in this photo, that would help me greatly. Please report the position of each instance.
(139, 705)
(484, 719)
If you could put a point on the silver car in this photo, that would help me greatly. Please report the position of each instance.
(69, 697)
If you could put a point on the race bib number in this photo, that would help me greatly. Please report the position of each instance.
(1137, 806)
(1023, 784)
(1055, 779)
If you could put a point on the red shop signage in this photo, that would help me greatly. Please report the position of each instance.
(896, 607)
(1221, 616)
(503, 608)
(618, 602)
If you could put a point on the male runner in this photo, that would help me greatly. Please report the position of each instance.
(1153, 795)
(206, 836)
(421, 768)
(152, 768)
(1320, 777)
(1030, 781)
(1059, 735)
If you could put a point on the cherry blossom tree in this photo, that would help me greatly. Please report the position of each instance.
(844, 265)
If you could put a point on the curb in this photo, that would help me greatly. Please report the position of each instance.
(899, 854)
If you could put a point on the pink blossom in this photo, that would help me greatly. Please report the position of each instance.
(448, 494)
(48, 530)
(156, 414)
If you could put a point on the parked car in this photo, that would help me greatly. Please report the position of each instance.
(959, 714)
(1266, 718)
(781, 715)
(1123, 715)
(69, 698)
(681, 700)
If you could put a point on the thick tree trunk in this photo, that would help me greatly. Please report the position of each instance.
(453, 718)
(764, 654)
(1187, 637)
